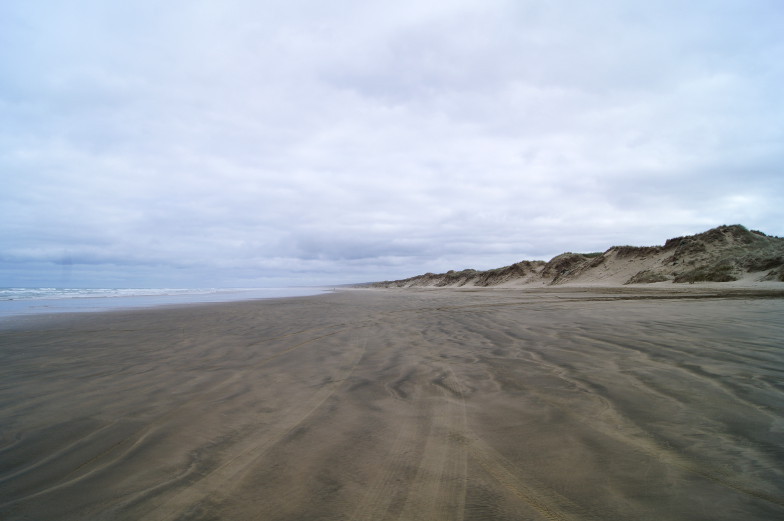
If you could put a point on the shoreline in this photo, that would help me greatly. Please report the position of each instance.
(559, 403)
(586, 292)
(582, 292)
(107, 303)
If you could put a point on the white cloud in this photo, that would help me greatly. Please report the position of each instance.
(304, 141)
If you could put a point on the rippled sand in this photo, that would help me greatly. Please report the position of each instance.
(398, 405)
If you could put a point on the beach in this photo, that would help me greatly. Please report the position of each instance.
(401, 404)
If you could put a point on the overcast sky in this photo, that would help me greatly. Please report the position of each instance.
(265, 143)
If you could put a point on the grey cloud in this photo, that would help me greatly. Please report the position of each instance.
(295, 141)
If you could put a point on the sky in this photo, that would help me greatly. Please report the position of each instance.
(271, 143)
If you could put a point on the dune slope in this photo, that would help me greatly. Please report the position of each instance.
(722, 254)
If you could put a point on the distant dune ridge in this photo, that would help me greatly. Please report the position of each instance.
(722, 254)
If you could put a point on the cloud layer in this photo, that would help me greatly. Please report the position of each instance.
(244, 143)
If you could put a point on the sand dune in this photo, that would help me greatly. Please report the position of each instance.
(722, 254)
(401, 405)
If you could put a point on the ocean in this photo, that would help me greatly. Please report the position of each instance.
(26, 301)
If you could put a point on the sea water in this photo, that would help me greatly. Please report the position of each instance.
(25, 301)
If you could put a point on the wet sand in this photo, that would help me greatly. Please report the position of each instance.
(400, 405)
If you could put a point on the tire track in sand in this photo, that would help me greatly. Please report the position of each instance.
(250, 450)
(438, 491)
(186, 408)
(381, 491)
(611, 422)
(113, 454)
(384, 488)
(550, 504)
(119, 451)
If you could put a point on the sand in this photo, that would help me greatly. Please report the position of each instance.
(400, 405)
